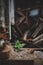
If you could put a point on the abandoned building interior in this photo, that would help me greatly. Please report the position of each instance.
(21, 32)
(22, 20)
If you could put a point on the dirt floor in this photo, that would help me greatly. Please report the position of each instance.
(37, 56)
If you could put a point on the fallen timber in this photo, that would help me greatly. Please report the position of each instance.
(20, 13)
(38, 39)
(37, 27)
(37, 30)
(20, 20)
(34, 41)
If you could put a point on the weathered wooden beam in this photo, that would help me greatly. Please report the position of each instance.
(23, 16)
(38, 38)
(20, 20)
(41, 19)
(27, 9)
(25, 35)
(20, 13)
(37, 30)
(38, 41)
(33, 42)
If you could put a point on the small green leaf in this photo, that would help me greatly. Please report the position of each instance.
(18, 45)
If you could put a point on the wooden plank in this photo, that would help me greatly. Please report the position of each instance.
(20, 13)
(38, 38)
(37, 30)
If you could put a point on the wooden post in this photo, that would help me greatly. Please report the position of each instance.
(3, 10)
(11, 16)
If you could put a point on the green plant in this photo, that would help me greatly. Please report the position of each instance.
(18, 45)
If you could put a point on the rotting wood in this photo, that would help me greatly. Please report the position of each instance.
(25, 35)
(20, 13)
(38, 38)
(41, 19)
(38, 41)
(23, 16)
(37, 30)
(20, 20)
